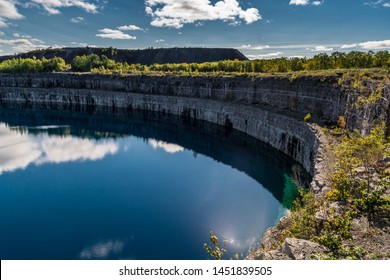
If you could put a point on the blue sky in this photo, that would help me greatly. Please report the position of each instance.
(258, 28)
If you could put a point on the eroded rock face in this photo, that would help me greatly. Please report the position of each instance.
(259, 107)
(299, 249)
(294, 249)
(270, 109)
(304, 95)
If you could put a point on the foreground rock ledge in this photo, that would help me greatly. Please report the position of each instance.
(292, 249)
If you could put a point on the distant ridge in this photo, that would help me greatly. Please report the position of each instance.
(146, 56)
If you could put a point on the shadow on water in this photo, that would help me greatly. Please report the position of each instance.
(275, 171)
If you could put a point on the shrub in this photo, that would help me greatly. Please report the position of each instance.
(215, 250)
(341, 122)
(33, 65)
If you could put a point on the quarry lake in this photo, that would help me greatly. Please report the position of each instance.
(135, 185)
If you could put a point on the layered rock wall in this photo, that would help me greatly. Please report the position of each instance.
(270, 109)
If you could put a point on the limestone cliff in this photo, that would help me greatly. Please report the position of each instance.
(268, 108)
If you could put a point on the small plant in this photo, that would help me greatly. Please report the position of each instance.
(303, 223)
(354, 253)
(307, 118)
(292, 78)
(215, 250)
(341, 122)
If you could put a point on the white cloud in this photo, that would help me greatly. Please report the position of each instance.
(349, 46)
(250, 15)
(372, 45)
(8, 10)
(77, 20)
(375, 4)
(300, 2)
(52, 6)
(17, 35)
(21, 45)
(262, 56)
(167, 147)
(369, 45)
(129, 28)
(261, 47)
(83, 45)
(250, 47)
(114, 34)
(37, 41)
(176, 13)
(159, 41)
(305, 2)
(3, 23)
(2, 33)
(320, 49)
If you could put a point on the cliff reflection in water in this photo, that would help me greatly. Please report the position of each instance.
(100, 186)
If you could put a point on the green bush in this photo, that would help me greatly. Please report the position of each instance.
(359, 183)
(33, 65)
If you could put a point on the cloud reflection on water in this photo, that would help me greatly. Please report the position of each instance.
(102, 250)
(19, 149)
(167, 147)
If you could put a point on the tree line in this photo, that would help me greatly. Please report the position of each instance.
(33, 65)
(102, 64)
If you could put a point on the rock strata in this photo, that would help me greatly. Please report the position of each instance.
(268, 108)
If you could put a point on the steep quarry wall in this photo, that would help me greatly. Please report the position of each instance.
(270, 109)
(304, 94)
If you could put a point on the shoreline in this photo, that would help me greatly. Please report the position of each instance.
(270, 109)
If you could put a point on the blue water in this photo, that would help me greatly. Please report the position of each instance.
(78, 186)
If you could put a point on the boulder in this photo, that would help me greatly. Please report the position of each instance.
(299, 249)
(293, 249)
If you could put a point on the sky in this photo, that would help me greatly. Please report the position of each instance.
(258, 28)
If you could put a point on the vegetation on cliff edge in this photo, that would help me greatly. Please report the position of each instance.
(359, 187)
(33, 65)
(104, 65)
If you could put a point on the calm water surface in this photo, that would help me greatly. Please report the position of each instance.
(136, 186)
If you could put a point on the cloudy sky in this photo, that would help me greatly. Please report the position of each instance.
(259, 28)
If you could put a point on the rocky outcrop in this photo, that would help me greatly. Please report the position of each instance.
(294, 249)
(268, 108)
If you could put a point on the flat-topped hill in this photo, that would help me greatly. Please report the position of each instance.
(146, 56)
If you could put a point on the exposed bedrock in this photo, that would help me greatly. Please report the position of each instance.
(270, 109)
